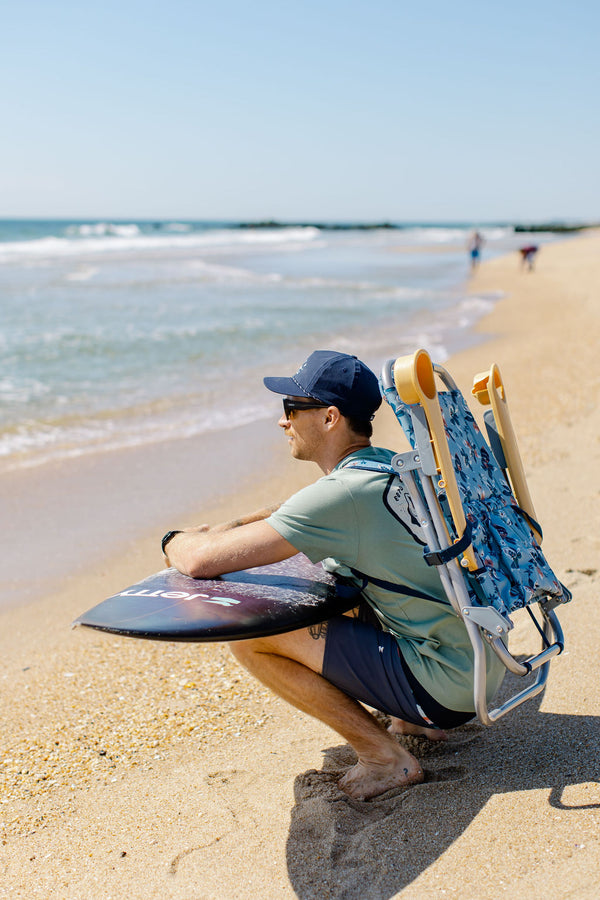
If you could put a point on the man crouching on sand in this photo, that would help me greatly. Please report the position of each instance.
(414, 660)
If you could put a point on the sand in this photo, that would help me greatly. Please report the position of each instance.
(142, 770)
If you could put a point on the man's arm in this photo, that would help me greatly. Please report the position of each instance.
(256, 516)
(241, 544)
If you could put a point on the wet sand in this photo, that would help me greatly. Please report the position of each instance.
(147, 770)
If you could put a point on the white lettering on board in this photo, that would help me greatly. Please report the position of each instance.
(181, 595)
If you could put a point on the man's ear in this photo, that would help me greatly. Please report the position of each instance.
(332, 416)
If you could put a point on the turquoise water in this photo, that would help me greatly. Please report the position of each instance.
(117, 334)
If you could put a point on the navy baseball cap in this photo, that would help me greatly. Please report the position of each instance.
(336, 379)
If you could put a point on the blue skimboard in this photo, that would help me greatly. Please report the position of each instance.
(255, 602)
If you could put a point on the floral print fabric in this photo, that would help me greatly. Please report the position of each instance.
(513, 570)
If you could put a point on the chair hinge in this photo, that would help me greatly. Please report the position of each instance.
(489, 618)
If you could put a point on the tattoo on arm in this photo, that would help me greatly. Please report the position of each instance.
(318, 631)
(257, 516)
(235, 523)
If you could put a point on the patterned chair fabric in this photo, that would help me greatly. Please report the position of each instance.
(513, 570)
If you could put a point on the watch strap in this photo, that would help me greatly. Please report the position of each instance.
(168, 537)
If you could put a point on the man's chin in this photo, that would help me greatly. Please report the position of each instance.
(295, 452)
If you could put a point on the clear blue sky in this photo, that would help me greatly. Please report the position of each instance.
(319, 109)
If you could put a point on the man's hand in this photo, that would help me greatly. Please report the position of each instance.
(197, 529)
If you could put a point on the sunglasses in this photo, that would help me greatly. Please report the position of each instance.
(290, 406)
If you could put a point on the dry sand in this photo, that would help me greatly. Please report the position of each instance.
(142, 770)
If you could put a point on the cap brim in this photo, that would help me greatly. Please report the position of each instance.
(284, 386)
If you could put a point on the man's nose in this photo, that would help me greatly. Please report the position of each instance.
(284, 421)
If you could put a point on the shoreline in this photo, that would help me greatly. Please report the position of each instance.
(76, 527)
(77, 511)
(156, 770)
(445, 328)
(167, 373)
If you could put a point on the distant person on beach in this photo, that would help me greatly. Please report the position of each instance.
(403, 652)
(528, 255)
(474, 247)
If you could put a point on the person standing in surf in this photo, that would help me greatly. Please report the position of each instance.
(474, 246)
(410, 657)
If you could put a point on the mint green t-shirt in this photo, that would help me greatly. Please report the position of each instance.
(365, 520)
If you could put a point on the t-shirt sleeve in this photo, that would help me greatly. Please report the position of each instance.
(320, 521)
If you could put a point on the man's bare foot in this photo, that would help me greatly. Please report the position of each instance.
(399, 726)
(368, 779)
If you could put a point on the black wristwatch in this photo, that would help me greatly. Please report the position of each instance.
(168, 536)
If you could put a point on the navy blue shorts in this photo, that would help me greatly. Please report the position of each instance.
(366, 663)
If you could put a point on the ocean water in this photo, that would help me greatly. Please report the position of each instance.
(116, 334)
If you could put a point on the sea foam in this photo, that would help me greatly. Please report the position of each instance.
(106, 238)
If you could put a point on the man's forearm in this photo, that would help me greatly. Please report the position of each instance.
(258, 516)
(204, 552)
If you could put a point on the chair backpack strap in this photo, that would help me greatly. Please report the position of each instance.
(369, 465)
(432, 558)
(440, 557)
(396, 588)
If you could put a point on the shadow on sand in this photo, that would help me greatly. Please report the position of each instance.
(345, 849)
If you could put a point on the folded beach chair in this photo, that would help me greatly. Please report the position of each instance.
(474, 508)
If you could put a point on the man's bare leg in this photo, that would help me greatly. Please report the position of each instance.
(290, 664)
(399, 726)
